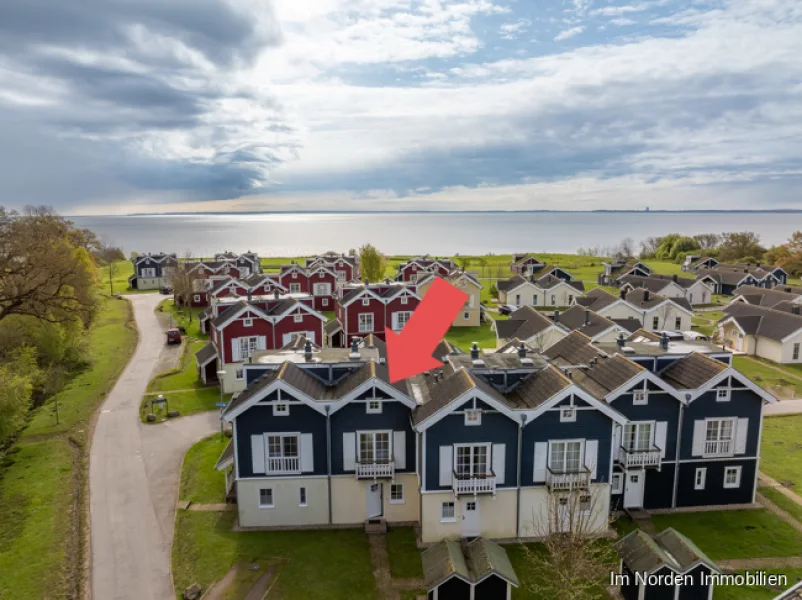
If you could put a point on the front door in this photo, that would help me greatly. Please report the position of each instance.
(374, 500)
(633, 489)
(471, 523)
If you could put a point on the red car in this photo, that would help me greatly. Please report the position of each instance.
(173, 336)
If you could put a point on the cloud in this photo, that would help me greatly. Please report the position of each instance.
(569, 33)
(510, 31)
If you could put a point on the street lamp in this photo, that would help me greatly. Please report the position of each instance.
(220, 375)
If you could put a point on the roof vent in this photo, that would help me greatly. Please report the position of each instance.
(620, 341)
(556, 316)
(522, 351)
(628, 350)
(479, 363)
(308, 350)
(475, 352)
(528, 362)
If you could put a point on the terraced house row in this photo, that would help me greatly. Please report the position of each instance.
(490, 443)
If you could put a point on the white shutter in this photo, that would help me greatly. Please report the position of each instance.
(400, 449)
(499, 455)
(349, 452)
(541, 460)
(591, 456)
(699, 434)
(617, 433)
(235, 350)
(258, 453)
(740, 436)
(307, 453)
(395, 321)
(261, 343)
(660, 437)
(446, 465)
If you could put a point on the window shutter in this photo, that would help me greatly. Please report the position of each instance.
(499, 455)
(349, 452)
(235, 353)
(446, 465)
(395, 321)
(307, 453)
(400, 449)
(261, 343)
(660, 435)
(258, 453)
(741, 436)
(617, 434)
(591, 457)
(699, 433)
(541, 459)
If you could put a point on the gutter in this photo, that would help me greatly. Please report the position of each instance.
(328, 457)
(518, 482)
(677, 452)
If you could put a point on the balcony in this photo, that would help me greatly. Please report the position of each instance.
(719, 448)
(284, 465)
(570, 479)
(377, 469)
(474, 484)
(640, 458)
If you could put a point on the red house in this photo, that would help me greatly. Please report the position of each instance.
(346, 268)
(320, 282)
(525, 264)
(370, 308)
(416, 268)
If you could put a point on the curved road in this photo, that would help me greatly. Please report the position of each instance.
(134, 471)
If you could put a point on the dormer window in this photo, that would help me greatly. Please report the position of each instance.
(281, 410)
(722, 395)
(640, 397)
(374, 407)
(247, 322)
(473, 417)
(567, 415)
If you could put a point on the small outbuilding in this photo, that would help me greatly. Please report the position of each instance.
(666, 566)
(463, 570)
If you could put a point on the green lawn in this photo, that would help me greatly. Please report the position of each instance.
(184, 377)
(119, 280)
(463, 337)
(405, 560)
(734, 534)
(41, 543)
(788, 505)
(781, 450)
(200, 481)
(783, 382)
(186, 317)
(756, 592)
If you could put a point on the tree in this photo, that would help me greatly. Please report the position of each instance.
(673, 245)
(46, 267)
(108, 257)
(736, 246)
(707, 241)
(666, 314)
(648, 247)
(372, 263)
(571, 564)
(788, 255)
(16, 388)
(182, 280)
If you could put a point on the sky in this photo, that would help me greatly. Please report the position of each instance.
(126, 106)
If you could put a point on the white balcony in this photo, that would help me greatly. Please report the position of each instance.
(635, 458)
(285, 465)
(719, 448)
(474, 484)
(384, 469)
(571, 479)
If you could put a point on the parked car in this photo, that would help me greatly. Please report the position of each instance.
(173, 336)
(507, 309)
(166, 290)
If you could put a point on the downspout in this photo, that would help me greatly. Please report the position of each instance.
(520, 458)
(677, 451)
(328, 457)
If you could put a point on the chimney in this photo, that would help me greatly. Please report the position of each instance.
(522, 351)
(675, 278)
(308, 350)
(556, 316)
(646, 295)
(367, 283)
(664, 341)
(795, 309)
(587, 317)
(250, 296)
(475, 351)
(620, 341)
(623, 294)
(275, 294)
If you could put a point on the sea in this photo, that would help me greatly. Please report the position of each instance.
(435, 233)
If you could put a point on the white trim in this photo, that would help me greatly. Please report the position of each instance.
(272, 497)
(619, 487)
(738, 471)
(531, 415)
(403, 494)
(448, 519)
(276, 386)
(373, 382)
(700, 485)
(742, 379)
(449, 408)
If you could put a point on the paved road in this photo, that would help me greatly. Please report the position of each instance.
(133, 477)
(784, 407)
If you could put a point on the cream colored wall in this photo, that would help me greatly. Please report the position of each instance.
(497, 515)
(536, 504)
(620, 311)
(151, 283)
(685, 319)
(230, 382)
(349, 500)
(769, 349)
(286, 511)
(728, 331)
(609, 336)
(698, 293)
(527, 291)
(563, 295)
(474, 313)
(788, 349)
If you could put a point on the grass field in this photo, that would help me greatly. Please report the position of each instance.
(780, 500)
(200, 482)
(186, 317)
(405, 561)
(119, 281)
(780, 380)
(756, 592)
(463, 337)
(781, 450)
(42, 493)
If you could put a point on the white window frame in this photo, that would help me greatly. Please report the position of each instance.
(473, 471)
(325, 301)
(374, 434)
(365, 327)
(737, 470)
(452, 507)
(473, 417)
(637, 426)
(554, 299)
(247, 322)
(196, 298)
(725, 397)
(340, 275)
(617, 485)
(272, 497)
(239, 374)
(295, 288)
(397, 319)
(295, 275)
(303, 496)
(365, 301)
(640, 397)
(700, 478)
(299, 318)
(282, 435)
(322, 289)
(678, 324)
(281, 409)
(404, 300)
(581, 443)
(655, 323)
(373, 410)
(247, 346)
(719, 442)
(466, 316)
(795, 352)
(568, 414)
(534, 299)
(585, 504)
(397, 487)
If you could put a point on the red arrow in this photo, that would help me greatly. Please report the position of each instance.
(410, 352)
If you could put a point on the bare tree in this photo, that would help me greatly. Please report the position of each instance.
(182, 280)
(573, 563)
(666, 313)
(108, 256)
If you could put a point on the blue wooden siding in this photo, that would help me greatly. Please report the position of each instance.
(715, 493)
(659, 489)
(660, 407)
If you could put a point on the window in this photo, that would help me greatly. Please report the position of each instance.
(472, 461)
(282, 453)
(567, 415)
(374, 447)
(295, 275)
(517, 300)
(719, 436)
(732, 477)
(281, 410)
(244, 271)
(637, 436)
(298, 318)
(325, 301)
(466, 316)
(302, 496)
(722, 395)
(640, 397)
(656, 323)
(365, 301)
(796, 352)
(396, 493)
(473, 417)
(196, 298)
(151, 272)
(678, 323)
(618, 483)
(322, 289)
(239, 374)
(266, 498)
(295, 288)
(247, 322)
(534, 300)
(247, 346)
(400, 319)
(584, 504)
(570, 299)
(447, 513)
(413, 278)
(340, 275)
(565, 457)
(699, 479)
(365, 322)
(404, 300)
(553, 300)
(374, 406)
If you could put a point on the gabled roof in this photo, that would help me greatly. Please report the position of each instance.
(643, 553)
(597, 299)
(333, 327)
(444, 349)
(505, 285)
(766, 322)
(524, 323)
(550, 281)
(470, 561)
(631, 324)
(764, 296)
(692, 371)
(644, 299)
(606, 374)
(585, 320)
(226, 458)
(573, 349)
(233, 311)
(206, 355)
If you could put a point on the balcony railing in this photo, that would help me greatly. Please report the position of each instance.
(719, 448)
(569, 479)
(640, 457)
(376, 469)
(283, 465)
(474, 483)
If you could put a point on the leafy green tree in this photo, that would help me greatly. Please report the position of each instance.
(788, 255)
(16, 387)
(737, 246)
(372, 263)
